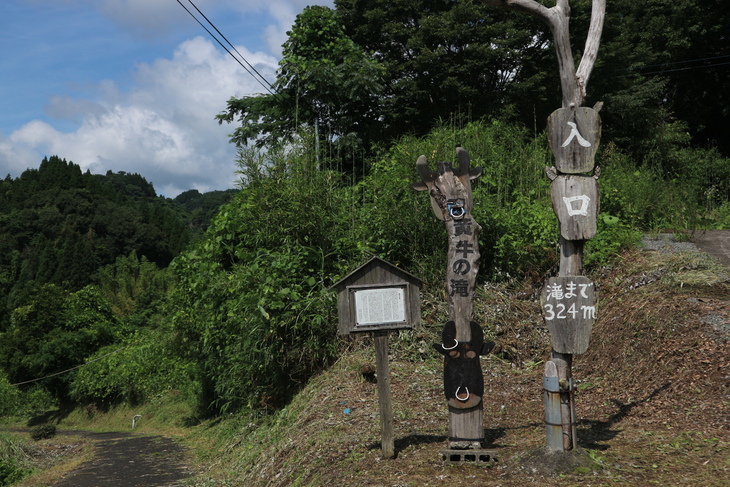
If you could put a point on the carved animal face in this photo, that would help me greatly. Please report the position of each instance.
(463, 381)
(447, 184)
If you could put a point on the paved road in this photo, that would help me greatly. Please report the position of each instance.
(124, 460)
(716, 243)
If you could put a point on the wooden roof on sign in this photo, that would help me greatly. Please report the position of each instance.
(376, 273)
(376, 263)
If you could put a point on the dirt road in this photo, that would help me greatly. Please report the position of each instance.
(124, 460)
(715, 243)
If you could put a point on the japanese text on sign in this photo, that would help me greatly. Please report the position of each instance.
(569, 300)
(380, 306)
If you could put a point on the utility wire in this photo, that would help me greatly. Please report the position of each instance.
(637, 70)
(678, 62)
(663, 71)
(77, 367)
(229, 43)
(266, 85)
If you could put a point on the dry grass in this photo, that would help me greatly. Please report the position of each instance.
(652, 404)
(55, 457)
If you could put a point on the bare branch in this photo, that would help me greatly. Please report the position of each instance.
(590, 52)
(528, 6)
(573, 82)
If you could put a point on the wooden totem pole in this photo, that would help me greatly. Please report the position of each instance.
(462, 338)
(568, 300)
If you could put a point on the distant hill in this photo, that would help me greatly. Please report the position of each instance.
(59, 225)
(200, 208)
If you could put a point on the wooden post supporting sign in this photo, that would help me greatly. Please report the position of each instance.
(462, 339)
(573, 132)
(378, 297)
(387, 441)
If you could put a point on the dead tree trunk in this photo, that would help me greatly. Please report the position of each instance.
(574, 132)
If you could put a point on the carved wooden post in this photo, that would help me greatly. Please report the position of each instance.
(462, 339)
(574, 133)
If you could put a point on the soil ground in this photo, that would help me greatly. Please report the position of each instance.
(652, 399)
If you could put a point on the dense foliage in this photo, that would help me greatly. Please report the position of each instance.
(243, 315)
(60, 225)
(80, 259)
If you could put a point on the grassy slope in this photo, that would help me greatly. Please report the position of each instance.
(653, 402)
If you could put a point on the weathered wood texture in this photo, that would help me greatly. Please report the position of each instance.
(576, 204)
(569, 310)
(573, 82)
(386, 415)
(571, 257)
(574, 135)
(375, 272)
(451, 199)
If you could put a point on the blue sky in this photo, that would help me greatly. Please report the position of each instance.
(131, 85)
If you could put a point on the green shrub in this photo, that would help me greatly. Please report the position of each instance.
(11, 472)
(14, 460)
(43, 431)
(9, 397)
(133, 373)
(612, 237)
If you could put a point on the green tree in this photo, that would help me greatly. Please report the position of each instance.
(251, 306)
(52, 332)
(449, 60)
(325, 81)
(661, 62)
(134, 287)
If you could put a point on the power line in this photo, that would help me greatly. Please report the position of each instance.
(664, 71)
(263, 83)
(229, 43)
(682, 62)
(77, 367)
(689, 68)
(637, 70)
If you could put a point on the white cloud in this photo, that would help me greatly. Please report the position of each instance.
(164, 126)
(151, 18)
(164, 129)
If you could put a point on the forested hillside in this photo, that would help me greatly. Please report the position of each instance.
(236, 314)
(77, 250)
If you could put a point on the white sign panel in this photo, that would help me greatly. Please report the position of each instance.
(380, 306)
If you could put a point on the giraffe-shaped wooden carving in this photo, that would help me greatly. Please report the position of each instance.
(462, 338)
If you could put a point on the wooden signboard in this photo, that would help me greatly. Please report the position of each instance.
(575, 202)
(574, 134)
(377, 296)
(569, 310)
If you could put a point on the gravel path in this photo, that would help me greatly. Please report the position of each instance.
(716, 243)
